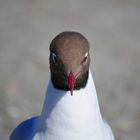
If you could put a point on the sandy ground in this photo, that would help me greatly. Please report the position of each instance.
(113, 29)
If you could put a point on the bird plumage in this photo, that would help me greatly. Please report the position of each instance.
(66, 117)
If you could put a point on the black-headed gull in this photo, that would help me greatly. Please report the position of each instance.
(71, 110)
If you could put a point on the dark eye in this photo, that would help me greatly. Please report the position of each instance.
(85, 58)
(53, 57)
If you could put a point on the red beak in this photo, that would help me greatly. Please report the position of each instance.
(71, 82)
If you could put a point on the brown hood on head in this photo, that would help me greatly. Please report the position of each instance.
(69, 52)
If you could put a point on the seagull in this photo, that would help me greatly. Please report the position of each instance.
(71, 110)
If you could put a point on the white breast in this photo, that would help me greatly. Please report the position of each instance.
(69, 117)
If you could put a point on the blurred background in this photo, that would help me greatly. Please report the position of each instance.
(113, 30)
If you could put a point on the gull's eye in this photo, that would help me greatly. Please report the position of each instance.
(53, 57)
(85, 58)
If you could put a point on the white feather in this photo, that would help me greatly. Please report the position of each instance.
(74, 117)
(66, 117)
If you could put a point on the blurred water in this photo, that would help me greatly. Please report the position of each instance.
(113, 29)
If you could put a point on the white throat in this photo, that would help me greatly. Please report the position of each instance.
(67, 117)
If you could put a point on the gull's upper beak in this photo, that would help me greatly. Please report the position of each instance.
(71, 79)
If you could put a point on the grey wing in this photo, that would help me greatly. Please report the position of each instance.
(24, 130)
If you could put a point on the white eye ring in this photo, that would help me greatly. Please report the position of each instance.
(85, 58)
(86, 55)
(54, 57)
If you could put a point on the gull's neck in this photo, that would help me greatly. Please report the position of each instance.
(71, 117)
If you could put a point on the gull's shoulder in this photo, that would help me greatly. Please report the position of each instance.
(24, 130)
